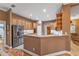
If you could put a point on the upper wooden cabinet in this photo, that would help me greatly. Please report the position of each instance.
(14, 21)
(28, 25)
(59, 21)
(23, 23)
(34, 25)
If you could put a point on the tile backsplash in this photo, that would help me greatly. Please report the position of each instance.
(28, 31)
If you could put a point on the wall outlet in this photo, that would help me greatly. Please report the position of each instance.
(33, 49)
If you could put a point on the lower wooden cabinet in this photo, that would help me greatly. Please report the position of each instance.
(46, 45)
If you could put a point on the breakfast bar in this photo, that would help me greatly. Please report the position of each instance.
(46, 44)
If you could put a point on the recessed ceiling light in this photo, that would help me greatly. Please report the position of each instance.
(37, 18)
(30, 15)
(44, 10)
(47, 15)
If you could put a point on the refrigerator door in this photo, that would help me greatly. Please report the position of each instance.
(17, 35)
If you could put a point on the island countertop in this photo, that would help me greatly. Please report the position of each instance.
(46, 44)
(34, 35)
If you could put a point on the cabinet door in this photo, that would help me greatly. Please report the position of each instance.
(43, 46)
(14, 21)
(20, 22)
(34, 25)
(23, 22)
(56, 44)
(30, 25)
(26, 25)
(17, 21)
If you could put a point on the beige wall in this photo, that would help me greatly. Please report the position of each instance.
(76, 23)
(45, 24)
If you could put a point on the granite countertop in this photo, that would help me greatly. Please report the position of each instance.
(44, 35)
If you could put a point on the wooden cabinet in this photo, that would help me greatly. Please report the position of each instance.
(14, 21)
(48, 30)
(59, 21)
(17, 21)
(34, 25)
(21, 22)
(25, 25)
(28, 24)
(46, 45)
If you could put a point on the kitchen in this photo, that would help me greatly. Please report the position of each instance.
(39, 36)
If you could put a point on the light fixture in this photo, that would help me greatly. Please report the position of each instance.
(47, 15)
(12, 6)
(37, 18)
(30, 15)
(44, 10)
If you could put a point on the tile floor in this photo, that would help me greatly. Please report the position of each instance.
(74, 49)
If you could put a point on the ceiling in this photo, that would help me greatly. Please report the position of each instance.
(35, 11)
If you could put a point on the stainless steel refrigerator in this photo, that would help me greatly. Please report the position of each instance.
(17, 35)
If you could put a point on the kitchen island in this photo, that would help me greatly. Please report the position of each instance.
(46, 44)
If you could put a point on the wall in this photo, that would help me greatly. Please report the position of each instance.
(75, 17)
(48, 23)
(75, 12)
(76, 23)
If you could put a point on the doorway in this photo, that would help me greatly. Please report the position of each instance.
(2, 35)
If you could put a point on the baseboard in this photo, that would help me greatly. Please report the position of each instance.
(8, 46)
(57, 53)
(52, 54)
(31, 53)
